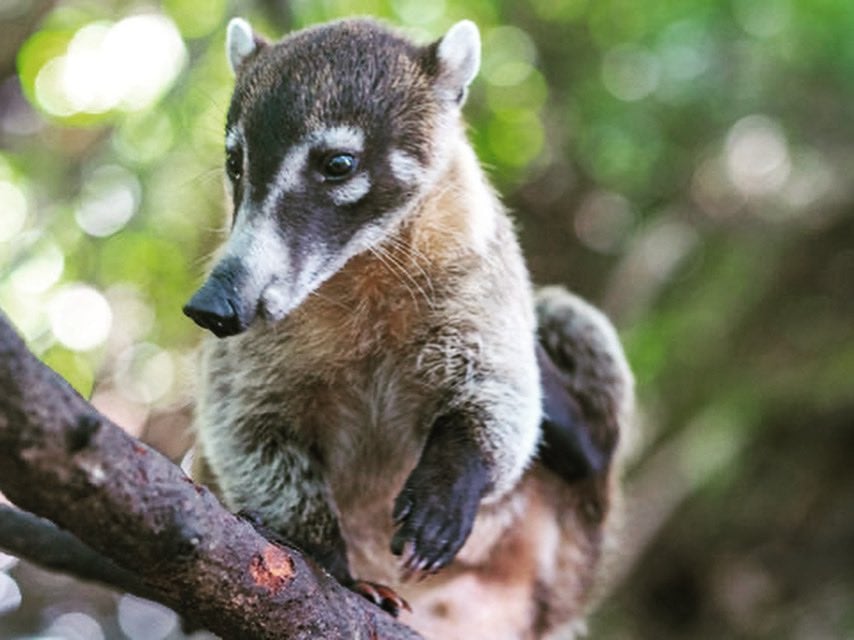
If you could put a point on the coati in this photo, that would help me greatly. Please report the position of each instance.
(387, 392)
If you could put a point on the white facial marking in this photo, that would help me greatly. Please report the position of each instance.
(405, 167)
(241, 235)
(268, 254)
(312, 271)
(344, 138)
(276, 302)
(267, 261)
(289, 178)
(239, 42)
(233, 138)
(266, 258)
(257, 239)
(291, 174)
(351, 191)
(258, 245)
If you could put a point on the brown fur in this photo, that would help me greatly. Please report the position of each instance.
(532, 560)
(315, 422)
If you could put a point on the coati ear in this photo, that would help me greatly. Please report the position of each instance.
(241, 43)
(457, 58)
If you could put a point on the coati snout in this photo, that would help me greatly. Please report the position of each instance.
(217, 305)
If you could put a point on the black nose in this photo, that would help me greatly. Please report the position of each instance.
(212, 310)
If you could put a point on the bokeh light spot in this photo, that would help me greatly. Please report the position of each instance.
(13, 205)
(80, 317)
(109, 200)
(127, 65)
(685, 51)
(145, 137)
(757, 156)
(39, 272)
(603, 221)
(145, 373)
(7, 562)
(508, 56)
(630, 72)
(144, 620)
(10, 594)
(137, 316)
(76, 626)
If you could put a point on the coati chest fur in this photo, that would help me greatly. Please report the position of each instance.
(376, 392)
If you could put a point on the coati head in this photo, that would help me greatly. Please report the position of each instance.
(331, 136)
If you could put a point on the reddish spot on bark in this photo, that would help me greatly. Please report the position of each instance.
(272, 569)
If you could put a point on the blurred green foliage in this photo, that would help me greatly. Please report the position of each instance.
(685, 164)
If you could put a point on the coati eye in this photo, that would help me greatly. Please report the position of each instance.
(338, 166)
(234, 163)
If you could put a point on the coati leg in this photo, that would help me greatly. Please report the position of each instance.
(296, 511)
(538, 577)
(482, 438)
(435, 510)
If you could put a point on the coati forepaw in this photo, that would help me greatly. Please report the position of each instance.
(435, 513)
(384, 597)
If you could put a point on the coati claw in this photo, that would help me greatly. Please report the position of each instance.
(384, 597)
(401, 509)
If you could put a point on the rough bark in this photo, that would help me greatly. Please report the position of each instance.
(32, 538)
(62, 460)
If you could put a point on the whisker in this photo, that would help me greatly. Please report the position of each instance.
(328, 299)
(395, 270)
(403, 272)
(415, 254)
(202, 177)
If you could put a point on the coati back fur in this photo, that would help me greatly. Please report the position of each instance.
(377, 393)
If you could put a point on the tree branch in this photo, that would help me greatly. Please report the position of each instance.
(40, 541)
(63, 460)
